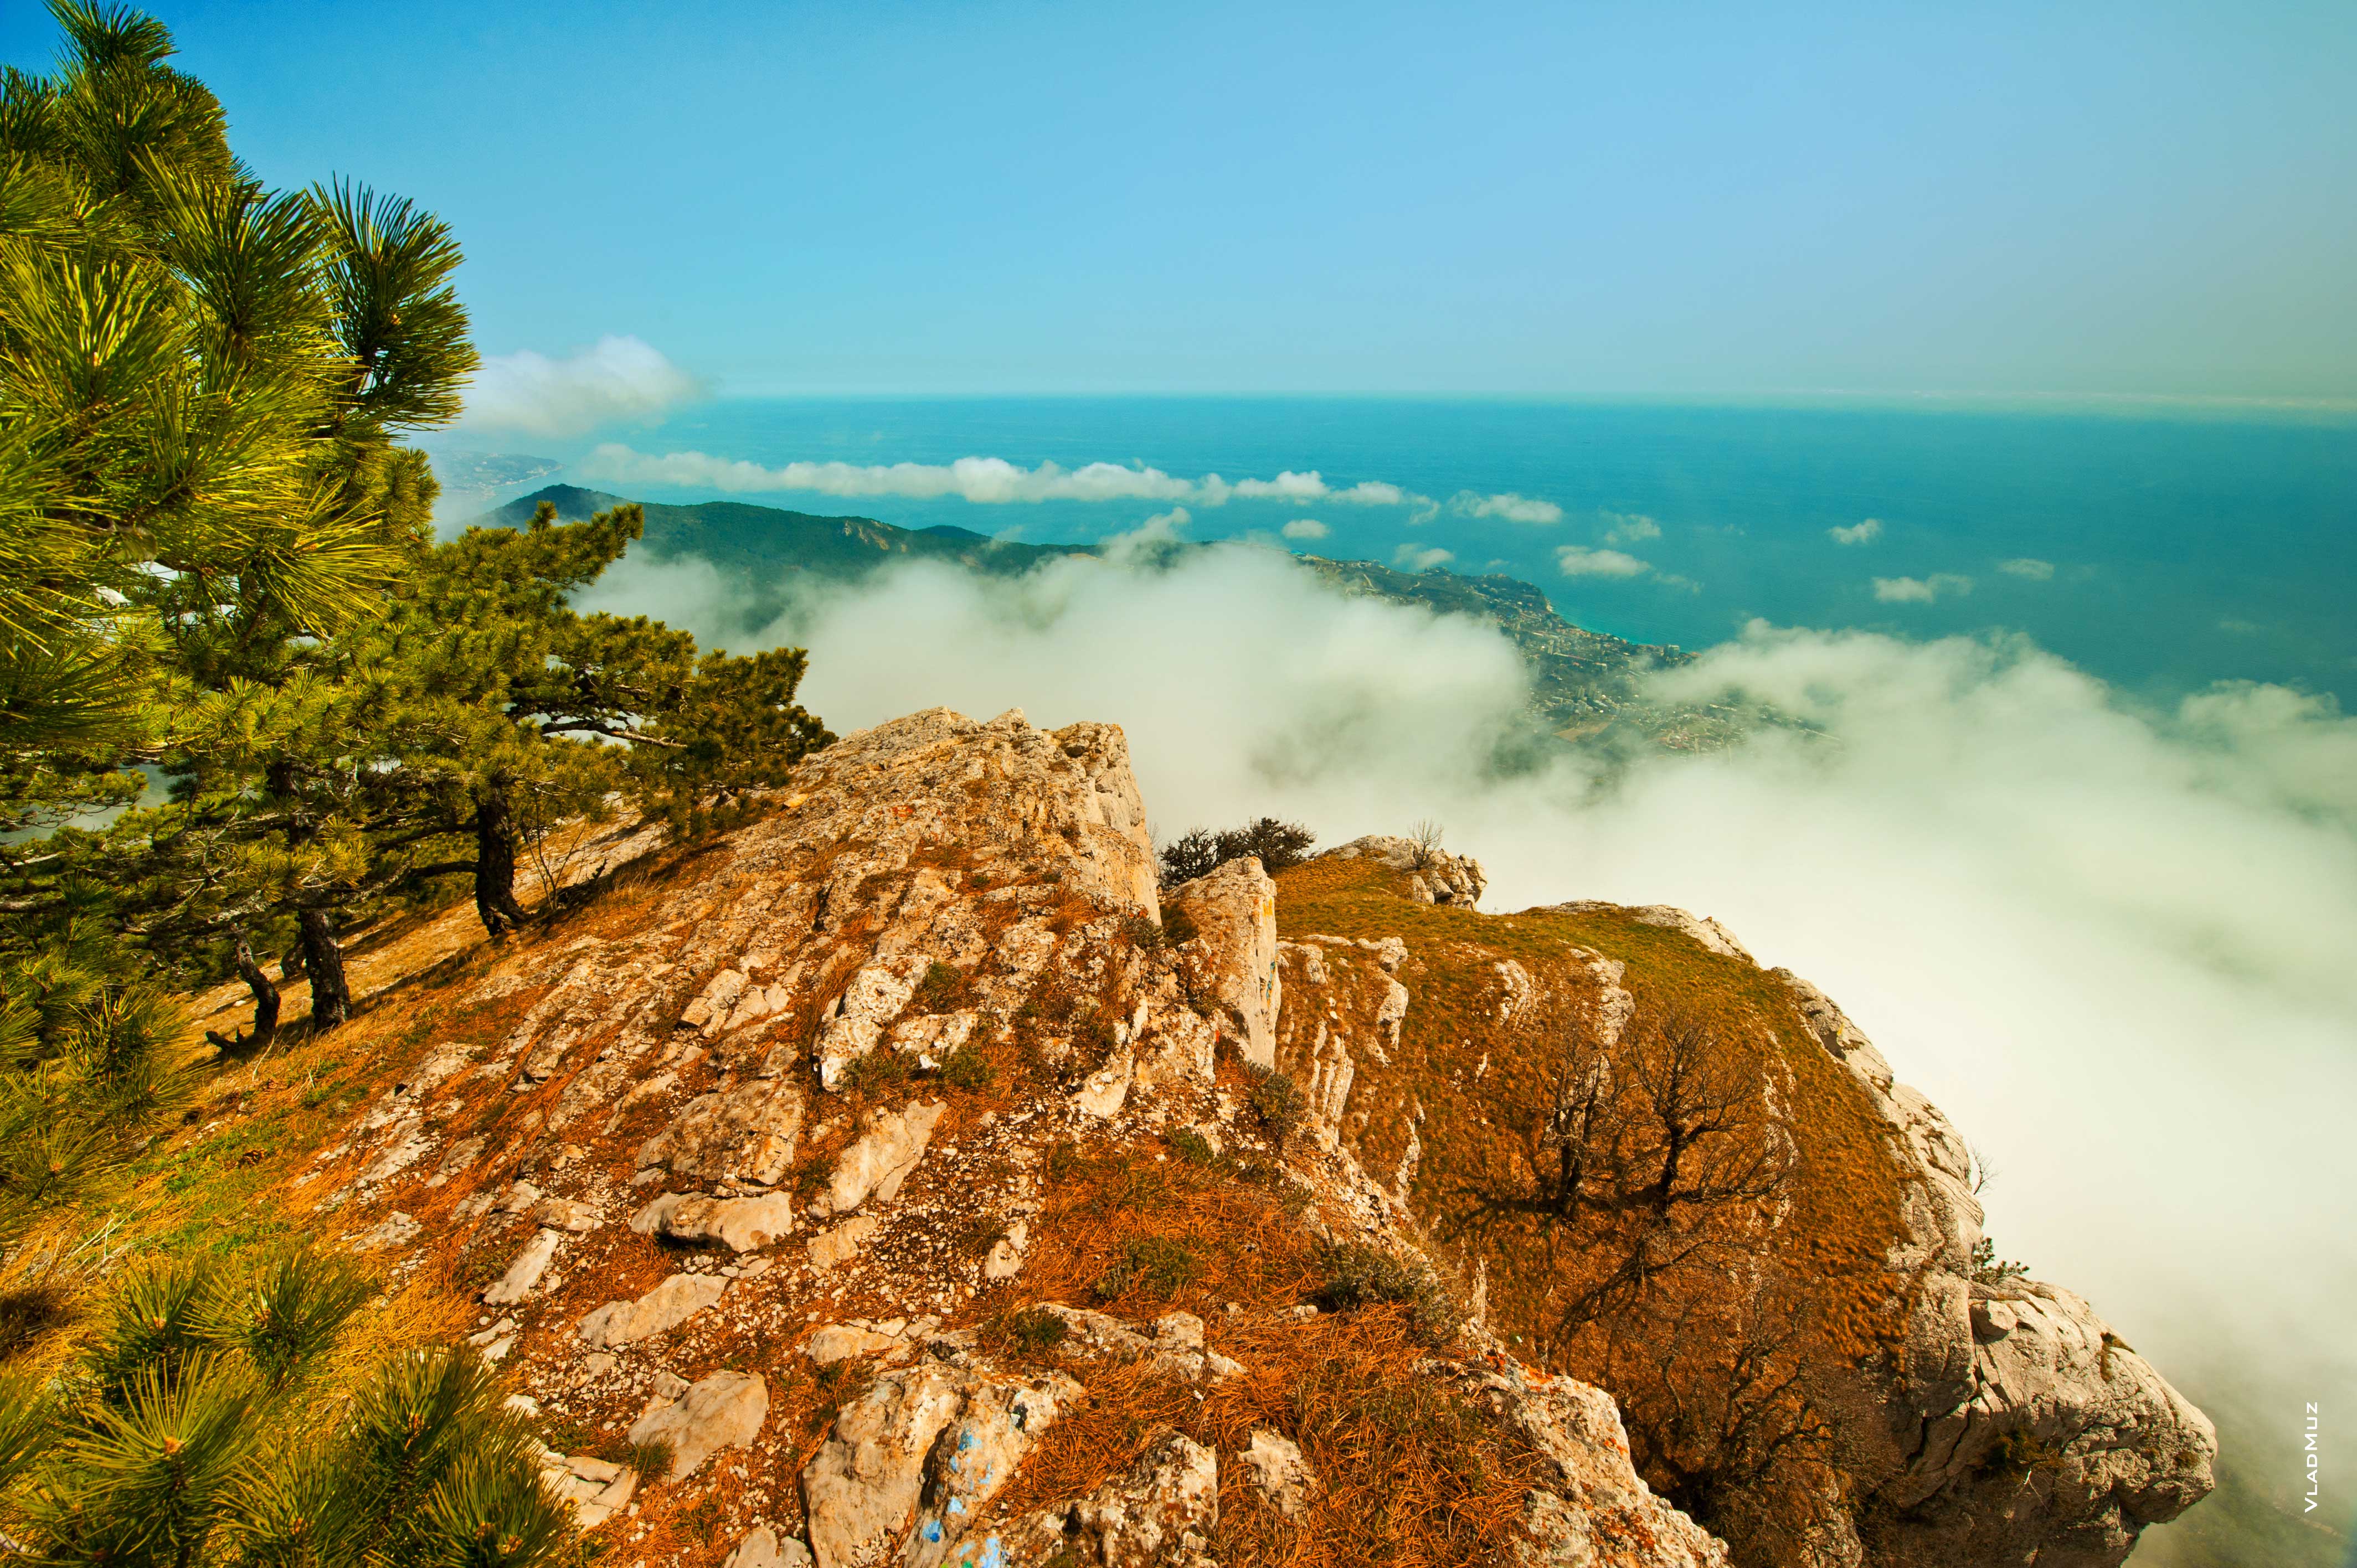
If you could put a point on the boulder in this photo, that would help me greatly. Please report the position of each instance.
(524, 1271)
(872, 1000)
(841, 1341)
(1274, 1466)
(741, 1224)
(868, 1482)
(672, 1302)
(595, 1487)
(1434, 876)
(1230, 964)
(882, 1157)
(749, 1132)
(761, 1548)
(725, 1410)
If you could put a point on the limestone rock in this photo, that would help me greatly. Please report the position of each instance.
(1175, 1346)
(841, 1341)
(921, 1440)
(761, 1548)
(725, 1410)
(832, 1249)
(742, 1224)
(1435, 875)
(749, 1132)
(1230, 962)
(874, 998)
(672, 1302)
(525, 1271)
(595, 1488)
(882, 1157)
(1162, 1513)
(1274, 1466)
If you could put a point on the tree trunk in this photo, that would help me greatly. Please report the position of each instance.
(495, 864)
(323, 960)
(265, 1007)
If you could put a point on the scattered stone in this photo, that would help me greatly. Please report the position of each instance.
(395, 1230)
(841, 1341)
(761, 1548)
(832, 1249)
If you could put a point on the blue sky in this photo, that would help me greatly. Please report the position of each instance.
(2147, 198)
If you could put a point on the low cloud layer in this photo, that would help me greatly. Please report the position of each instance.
(984, 481)
(2110, 942)
(620, 377)
(1508, 506)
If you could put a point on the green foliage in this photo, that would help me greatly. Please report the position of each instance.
(968, 1068)
(1353, 1274)
(1191, 1146)
(943, 989)
(1199, 852)
(1277, 1100)
(1157, 1267)
(1029, 1331)
(1988, 1268)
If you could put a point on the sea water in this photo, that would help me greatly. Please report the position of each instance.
(2160, 549)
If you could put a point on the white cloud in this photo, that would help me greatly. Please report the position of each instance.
(2028, 567)
(2111, 944)
(985, 481)
(1920, 590)
(1630, 528)
(619, 378)
(1579, 561)
(1507, 505)
(1865, 532)
(1421, 558)
(1306, 528)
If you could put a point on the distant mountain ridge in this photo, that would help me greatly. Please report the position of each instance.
(1584, 684)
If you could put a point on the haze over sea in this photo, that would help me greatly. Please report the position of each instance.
(2162, 547)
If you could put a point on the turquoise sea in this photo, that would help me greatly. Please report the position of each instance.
(2185, 546)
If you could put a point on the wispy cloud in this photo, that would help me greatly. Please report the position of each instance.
(1920, 590)
(1630, 528)
(1506, 505)
(985, 481)
(1306, 528)
(1416, 558)
(619, 378)
(1865, 532)
(2028, 567)
(1579, 561)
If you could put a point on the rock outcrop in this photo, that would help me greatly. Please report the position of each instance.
(884, 1163)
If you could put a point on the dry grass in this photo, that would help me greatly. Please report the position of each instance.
(1408, 1473)
(1483, 1086)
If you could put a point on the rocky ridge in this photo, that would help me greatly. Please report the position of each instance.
(879, 1184)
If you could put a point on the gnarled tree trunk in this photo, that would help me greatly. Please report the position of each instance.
(495, 864)
(265, 1007)
(323, 960)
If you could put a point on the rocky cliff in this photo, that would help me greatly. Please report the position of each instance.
(882, 1183)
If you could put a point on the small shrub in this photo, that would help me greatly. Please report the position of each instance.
(1192, 1146)
(1157, 1267)
(1033, 1331)
(650, 1462)
(1276, 1099)
(1177, 926)
(1199, 852)
(943, 989)
(1356, 1276)
(1063, 1158)
(703, 1521)
(967, 1068)
(1988, 1268)
(877, 1070)
(1143, 934)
